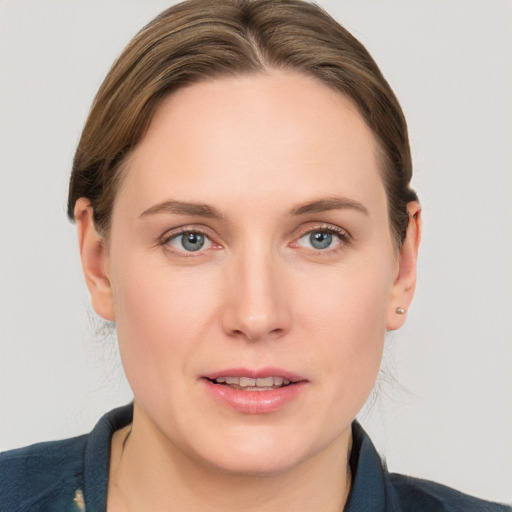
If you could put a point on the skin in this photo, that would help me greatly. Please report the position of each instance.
(255, 149)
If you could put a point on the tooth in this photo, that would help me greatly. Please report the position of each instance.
(266, 382)
(248, 382)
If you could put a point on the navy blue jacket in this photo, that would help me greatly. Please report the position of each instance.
(60, 476)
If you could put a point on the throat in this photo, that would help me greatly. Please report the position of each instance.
(150, 472)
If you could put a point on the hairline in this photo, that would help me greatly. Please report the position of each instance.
(123, 166)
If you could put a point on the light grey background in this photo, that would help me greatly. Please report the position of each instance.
(449, 415)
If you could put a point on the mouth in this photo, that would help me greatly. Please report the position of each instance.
(255, 391)
(243, 383)
(260, 391)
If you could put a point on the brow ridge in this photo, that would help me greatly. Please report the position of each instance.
(204, 210)
(183, 208)
(328, 203)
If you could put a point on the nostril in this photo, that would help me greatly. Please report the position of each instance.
(276, 333)
(253, 336)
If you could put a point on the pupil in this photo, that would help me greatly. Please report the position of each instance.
(193, 241)
(320, 239)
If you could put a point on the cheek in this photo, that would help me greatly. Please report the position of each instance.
(157, 319)
(350, 301)
(167, 319)
(349, 325)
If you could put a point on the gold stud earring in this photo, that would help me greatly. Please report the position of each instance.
(400, 311)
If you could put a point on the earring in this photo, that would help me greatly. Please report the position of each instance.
(400, 311)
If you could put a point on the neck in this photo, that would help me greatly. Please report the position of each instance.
(148, 472)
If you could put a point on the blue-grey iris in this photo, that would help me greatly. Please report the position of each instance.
(192, 241)
(320, 239)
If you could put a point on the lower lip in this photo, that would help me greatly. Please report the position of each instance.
(255, 402)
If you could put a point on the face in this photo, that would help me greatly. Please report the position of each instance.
(252, 271)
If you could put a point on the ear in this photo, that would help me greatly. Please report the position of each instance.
(95, 260)
(405, 283)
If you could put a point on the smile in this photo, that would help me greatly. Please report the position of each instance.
(255, 391)
(250, 384)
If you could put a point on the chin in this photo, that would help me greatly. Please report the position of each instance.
(263, 452)
(262, 464)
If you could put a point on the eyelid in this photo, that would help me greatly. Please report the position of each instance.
(173, 233)
(331, 228)
(344, 236)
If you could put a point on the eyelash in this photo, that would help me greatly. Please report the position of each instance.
(176, 233)
(343, 236)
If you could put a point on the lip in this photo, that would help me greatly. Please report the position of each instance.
(261, 373)
(255, 402)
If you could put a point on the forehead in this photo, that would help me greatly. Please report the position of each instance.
(257, 135)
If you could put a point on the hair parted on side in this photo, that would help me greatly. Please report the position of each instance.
(198, 40)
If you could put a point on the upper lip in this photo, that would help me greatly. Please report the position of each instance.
(256, 373)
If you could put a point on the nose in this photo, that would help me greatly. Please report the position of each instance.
(257, 305)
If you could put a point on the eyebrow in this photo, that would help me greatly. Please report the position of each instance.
(183, 208)
(326, 204)
(204, 210)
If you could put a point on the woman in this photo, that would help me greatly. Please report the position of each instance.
(241, 193)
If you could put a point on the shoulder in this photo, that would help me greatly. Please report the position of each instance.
(43, 476)
(374, 488)
(47, 477)
(417, 494)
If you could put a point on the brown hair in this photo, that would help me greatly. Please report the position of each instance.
(202, 39)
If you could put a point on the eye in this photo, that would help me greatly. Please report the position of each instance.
(189, 241)
(319, 239)
(322, 238)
